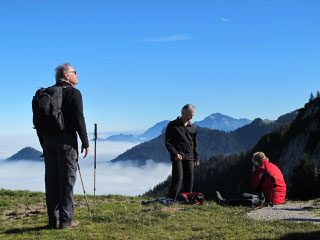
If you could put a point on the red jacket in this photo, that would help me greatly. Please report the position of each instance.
(269, 179)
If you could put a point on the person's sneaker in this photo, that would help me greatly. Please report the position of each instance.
(219, 197)
(74, 224)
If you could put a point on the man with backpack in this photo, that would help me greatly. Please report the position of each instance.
(181, 142)
(60, 146)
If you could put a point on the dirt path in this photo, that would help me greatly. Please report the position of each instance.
(297, 212)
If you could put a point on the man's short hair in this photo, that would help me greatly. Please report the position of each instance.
(188, 107)
(61, 70)
(259, 157)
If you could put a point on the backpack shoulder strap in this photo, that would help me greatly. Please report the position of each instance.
(271, 177)
(261, 182)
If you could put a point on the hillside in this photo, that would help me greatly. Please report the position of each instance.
(23, 216)
(231, 174)
(210, 142)
(27, 153)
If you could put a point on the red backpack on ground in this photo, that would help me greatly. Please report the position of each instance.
(191, 198)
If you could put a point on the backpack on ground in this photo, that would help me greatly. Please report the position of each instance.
(163, 200)
(191, 198)
(253, 200)
(46, 107)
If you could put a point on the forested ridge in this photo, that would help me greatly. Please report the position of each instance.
(210, 142)
(230, 174)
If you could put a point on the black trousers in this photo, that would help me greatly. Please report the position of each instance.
(60, 156)
(182, 175)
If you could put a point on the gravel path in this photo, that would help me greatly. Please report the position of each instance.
(297, 212)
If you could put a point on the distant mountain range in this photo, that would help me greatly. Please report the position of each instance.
(222, 122)
(216, 121)
(122, 138)
(27, 153)
(149, 134)
(210, 142)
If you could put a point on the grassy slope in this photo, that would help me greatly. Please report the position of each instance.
(23, 216)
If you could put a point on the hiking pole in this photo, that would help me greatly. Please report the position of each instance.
(95, 167)
(84, 191)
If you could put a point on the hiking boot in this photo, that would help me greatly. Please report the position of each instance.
(53, 225)
(219, 197)
(74, 224)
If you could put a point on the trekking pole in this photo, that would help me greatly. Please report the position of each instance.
(84, 191)
(95, 167)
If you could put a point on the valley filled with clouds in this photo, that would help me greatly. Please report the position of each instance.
(123, 178)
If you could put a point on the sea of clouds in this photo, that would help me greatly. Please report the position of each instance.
(123, 178)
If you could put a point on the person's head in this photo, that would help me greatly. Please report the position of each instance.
(187, 112)
(66, 73)
(258, 158)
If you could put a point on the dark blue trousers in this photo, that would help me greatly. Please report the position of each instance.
(61, 156)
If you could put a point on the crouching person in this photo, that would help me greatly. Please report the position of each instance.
(267, 182)
(268, 178)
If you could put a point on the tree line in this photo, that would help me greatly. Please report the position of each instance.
(231, 174)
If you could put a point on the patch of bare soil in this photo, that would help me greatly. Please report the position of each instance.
(21, 211)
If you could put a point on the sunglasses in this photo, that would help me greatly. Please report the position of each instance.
(75, 72)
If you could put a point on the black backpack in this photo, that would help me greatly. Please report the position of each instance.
(253, 200)
(195, 198)
(46, 107)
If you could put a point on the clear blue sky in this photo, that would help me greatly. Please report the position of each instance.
(139, 62)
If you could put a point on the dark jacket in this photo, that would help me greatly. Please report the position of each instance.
(72, 109)
(182, 140)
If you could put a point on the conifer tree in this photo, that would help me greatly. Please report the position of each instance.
(304, 180)
(311, 97)
(318, 94)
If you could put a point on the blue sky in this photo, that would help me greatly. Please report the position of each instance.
(139, 62)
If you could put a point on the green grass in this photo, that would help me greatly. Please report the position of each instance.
(119, 217)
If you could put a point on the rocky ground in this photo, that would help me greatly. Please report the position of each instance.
(297, 212)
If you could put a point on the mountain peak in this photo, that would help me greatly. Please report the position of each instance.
(27, 153)
(222, 122)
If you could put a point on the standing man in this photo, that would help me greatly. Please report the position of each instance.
(181, 142)
(61, 152)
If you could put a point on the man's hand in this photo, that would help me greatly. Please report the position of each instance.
(178, 157)
(196, 164)
(86, 151)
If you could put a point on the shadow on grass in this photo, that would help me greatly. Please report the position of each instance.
(24, 230)
(302, 220)
(299, 236)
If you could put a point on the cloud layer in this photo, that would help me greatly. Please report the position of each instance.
(123, 178)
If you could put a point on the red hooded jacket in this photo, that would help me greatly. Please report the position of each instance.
(269, 179)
